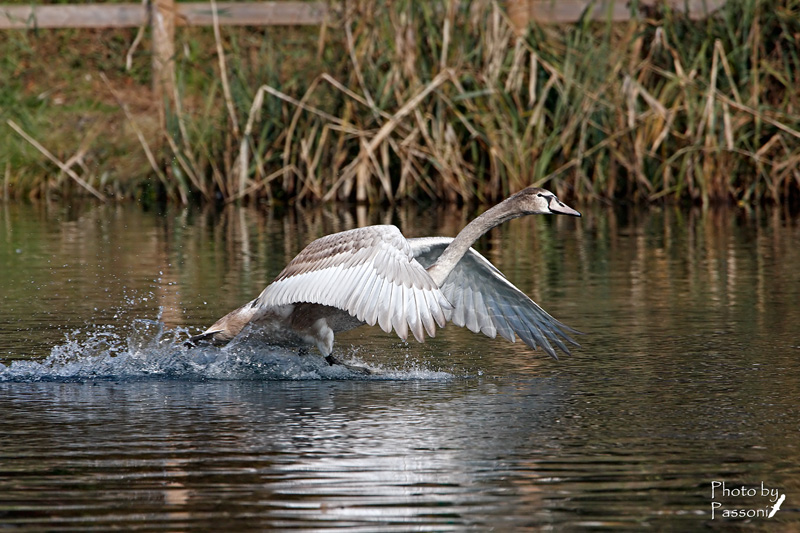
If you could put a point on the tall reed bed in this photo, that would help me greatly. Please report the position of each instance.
(443, 100)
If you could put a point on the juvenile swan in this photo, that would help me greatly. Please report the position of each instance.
(374, 274)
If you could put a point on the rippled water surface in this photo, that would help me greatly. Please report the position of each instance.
(688, 378)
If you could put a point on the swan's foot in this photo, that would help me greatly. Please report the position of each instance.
(209, 338)
(357, 369)
(195, 341)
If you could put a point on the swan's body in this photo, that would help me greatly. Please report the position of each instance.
(375, 275)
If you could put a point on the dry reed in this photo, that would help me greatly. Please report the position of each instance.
(444, 100)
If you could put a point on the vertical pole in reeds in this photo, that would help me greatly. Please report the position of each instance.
(519, 12)
(163, 22)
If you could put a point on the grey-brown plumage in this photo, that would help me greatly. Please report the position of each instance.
(375, 275)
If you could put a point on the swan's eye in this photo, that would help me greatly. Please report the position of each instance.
(540, 195)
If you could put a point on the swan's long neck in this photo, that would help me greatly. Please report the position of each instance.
(471, 233)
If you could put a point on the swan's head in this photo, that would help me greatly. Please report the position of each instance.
(538, 201)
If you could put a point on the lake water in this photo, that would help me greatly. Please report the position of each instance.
(682, 401)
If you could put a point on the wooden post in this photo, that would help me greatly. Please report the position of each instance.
(519, 13)
(163, 27)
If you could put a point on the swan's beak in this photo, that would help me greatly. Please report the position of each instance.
(557, 207)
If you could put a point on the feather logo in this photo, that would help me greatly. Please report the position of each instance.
(777, 506)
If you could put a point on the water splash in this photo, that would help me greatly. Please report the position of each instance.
(151, 351)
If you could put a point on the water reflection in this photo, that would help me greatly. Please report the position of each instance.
(282, 453)
(636, 281)
(106, 265)
(688, 374)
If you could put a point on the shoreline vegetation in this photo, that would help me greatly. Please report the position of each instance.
(428, 101)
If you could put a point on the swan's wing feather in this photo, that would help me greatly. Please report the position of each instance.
(369, 272)
(485, 301)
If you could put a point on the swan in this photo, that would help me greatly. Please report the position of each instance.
(375, 275)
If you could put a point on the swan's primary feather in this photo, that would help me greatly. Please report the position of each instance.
(485, 301)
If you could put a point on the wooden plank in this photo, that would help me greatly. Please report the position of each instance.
(303, 13)
(244, 14)
(73, 16)
(188, 14)
(568, 11)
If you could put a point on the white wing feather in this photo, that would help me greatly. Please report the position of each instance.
(369, 272)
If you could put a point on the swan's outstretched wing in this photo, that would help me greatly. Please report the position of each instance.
(369, 272)
(485, 301)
